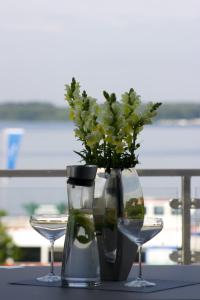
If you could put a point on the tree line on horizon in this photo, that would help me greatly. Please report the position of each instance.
(40, 111)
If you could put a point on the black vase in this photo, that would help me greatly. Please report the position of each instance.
(116, 195)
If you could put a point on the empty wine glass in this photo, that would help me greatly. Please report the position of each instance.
(52, 227)
(139, 232)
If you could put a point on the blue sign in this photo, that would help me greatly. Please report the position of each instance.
(13, 144)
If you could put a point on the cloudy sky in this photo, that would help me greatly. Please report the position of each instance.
(150, 45)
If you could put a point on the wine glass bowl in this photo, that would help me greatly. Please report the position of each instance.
(52, 227)
(140, 231)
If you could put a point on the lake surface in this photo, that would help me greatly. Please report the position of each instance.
(50, 146)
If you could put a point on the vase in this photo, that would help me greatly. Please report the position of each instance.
(80, 265)
(116, 195)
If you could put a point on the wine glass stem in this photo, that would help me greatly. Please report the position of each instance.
(140, 262)
(52, 257)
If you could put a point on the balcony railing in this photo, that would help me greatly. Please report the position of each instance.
(185, 202)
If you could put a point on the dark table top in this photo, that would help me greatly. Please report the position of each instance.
(24, 292)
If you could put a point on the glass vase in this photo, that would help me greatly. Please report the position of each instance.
(116, 194)
(80, 266)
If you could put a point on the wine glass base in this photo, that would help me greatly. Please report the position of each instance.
(49, 278)
(139, 282)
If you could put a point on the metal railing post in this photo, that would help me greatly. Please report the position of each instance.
(186, 219)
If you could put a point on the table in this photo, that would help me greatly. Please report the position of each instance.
(176, 272)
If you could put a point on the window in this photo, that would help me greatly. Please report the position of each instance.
(158, 210)
(177, 211)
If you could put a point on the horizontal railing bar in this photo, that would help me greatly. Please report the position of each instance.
(62, 173)
(33, 173)
(168, 172)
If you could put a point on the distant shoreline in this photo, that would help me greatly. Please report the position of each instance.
(169, 113)
(57, 124)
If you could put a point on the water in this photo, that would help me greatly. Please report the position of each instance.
(81, 260)
(50, 145)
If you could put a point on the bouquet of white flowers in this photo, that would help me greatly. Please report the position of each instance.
(108, 131)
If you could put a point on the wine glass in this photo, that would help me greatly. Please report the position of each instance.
(139, 232)
(52, 227)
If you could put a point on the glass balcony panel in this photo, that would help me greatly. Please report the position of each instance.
(159, 249)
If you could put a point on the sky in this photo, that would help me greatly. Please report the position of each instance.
(152, 46)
